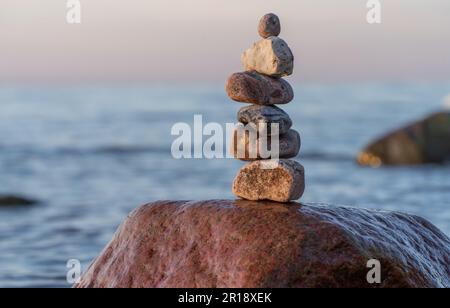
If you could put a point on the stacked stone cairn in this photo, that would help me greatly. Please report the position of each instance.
(272, 178)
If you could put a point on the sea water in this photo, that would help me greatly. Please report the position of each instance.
(92, 154)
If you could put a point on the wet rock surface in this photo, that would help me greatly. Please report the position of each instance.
(226, 243)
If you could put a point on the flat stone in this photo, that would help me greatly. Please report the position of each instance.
(246, 244)
(254, 88)
(282, 182)
(269, 25)
(271, 56)
(264, 117)
(289, 145)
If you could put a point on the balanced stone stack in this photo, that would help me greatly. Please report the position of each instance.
(261, 85)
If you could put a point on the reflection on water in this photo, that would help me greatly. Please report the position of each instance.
(92, 155)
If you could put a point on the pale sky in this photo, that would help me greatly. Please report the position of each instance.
(202, 40)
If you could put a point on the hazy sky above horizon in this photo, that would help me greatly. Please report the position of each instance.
(202, 40)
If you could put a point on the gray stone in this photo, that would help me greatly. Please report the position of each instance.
(13, 201)
(246, 149)
(264, 117)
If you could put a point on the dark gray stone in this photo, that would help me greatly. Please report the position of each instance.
(422, 142)
(265, 115)
(245, 149)
(12, 201)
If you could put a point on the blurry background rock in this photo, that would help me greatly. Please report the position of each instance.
(447, 102)
(425, 141)
(11, 200)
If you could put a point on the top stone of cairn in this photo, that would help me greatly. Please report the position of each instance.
(269, 25)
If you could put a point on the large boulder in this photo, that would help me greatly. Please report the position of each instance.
(263, 244)
(425, 141)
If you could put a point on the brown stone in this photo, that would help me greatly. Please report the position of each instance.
(254, 88)
(280, 181)
(245, 148)
(269, 25)
(244, 244)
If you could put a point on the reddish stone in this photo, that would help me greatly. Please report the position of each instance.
(269, 25)
(255, 88)
(264, 244)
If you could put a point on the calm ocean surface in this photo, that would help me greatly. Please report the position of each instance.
(91, 155)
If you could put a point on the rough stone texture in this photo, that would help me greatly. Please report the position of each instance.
(283, 181)
(264, 117)
(244, 148)
(246, 244)
(271, 56)
(426, 141)
(269, 25)
(254, 88)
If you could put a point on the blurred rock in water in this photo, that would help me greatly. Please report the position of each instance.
(11, 201)
(426, 141)
(233, 244)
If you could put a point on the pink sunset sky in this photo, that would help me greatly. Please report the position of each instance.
(202, 40)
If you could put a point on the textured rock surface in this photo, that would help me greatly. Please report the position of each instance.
(271, 56)
(226, 243)
(426, 141)
(264, 117)
(244, 148)
(254, 88)
(258, 180)
(269, 25)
